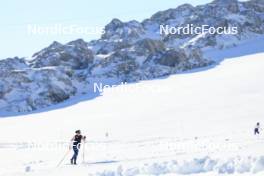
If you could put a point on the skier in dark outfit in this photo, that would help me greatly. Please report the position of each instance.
(76, 144)
(257, 129)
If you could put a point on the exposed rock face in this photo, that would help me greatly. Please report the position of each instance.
(12, 64)
(74, 54)
(32, 89)
(117, 30)
(149, 46)
(127, 51)
(246, 16)
(173, 15)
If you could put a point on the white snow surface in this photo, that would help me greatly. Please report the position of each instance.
(200, 124)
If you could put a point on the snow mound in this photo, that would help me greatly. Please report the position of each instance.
(236, 165)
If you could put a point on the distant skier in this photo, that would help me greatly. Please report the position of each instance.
(257, 129)
(76, 144)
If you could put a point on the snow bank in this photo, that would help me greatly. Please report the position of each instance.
(236, 165)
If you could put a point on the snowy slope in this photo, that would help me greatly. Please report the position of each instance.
(198, 122)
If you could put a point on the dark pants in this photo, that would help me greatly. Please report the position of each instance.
(256, 131)
(75, 155)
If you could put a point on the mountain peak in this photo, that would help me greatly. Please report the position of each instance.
(115, 23)
(78, 42)
(184, 6)
(224, 2)
(55, 44)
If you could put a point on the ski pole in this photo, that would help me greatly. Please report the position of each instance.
(84, 152)
(63, 158)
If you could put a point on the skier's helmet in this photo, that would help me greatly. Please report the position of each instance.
(78, 131)
(258, 123)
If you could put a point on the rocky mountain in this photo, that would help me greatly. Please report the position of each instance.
(126, 52)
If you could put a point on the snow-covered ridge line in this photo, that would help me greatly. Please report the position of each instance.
(127, 52)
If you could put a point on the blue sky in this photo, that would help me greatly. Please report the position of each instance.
(15, 15)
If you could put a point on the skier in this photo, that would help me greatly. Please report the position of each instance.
(257, 129)
(76, 144)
